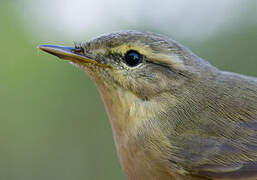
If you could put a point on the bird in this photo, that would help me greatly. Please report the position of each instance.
(174, 116)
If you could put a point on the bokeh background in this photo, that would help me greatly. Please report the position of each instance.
(52, 122)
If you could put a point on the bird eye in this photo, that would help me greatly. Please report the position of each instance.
(132, 58)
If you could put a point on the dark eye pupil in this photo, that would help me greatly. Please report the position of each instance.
(133, 58)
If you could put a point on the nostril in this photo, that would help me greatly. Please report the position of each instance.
(78, 50)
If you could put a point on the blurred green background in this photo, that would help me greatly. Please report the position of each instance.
(53, 123)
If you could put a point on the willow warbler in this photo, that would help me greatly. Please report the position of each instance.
(174, 116)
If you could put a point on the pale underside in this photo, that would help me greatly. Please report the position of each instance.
(207, 144)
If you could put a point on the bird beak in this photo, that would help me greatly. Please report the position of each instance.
(67, 53)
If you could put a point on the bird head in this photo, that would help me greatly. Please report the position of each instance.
(145, 64)
(135, 72)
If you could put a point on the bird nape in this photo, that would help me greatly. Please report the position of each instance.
(173, 115)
